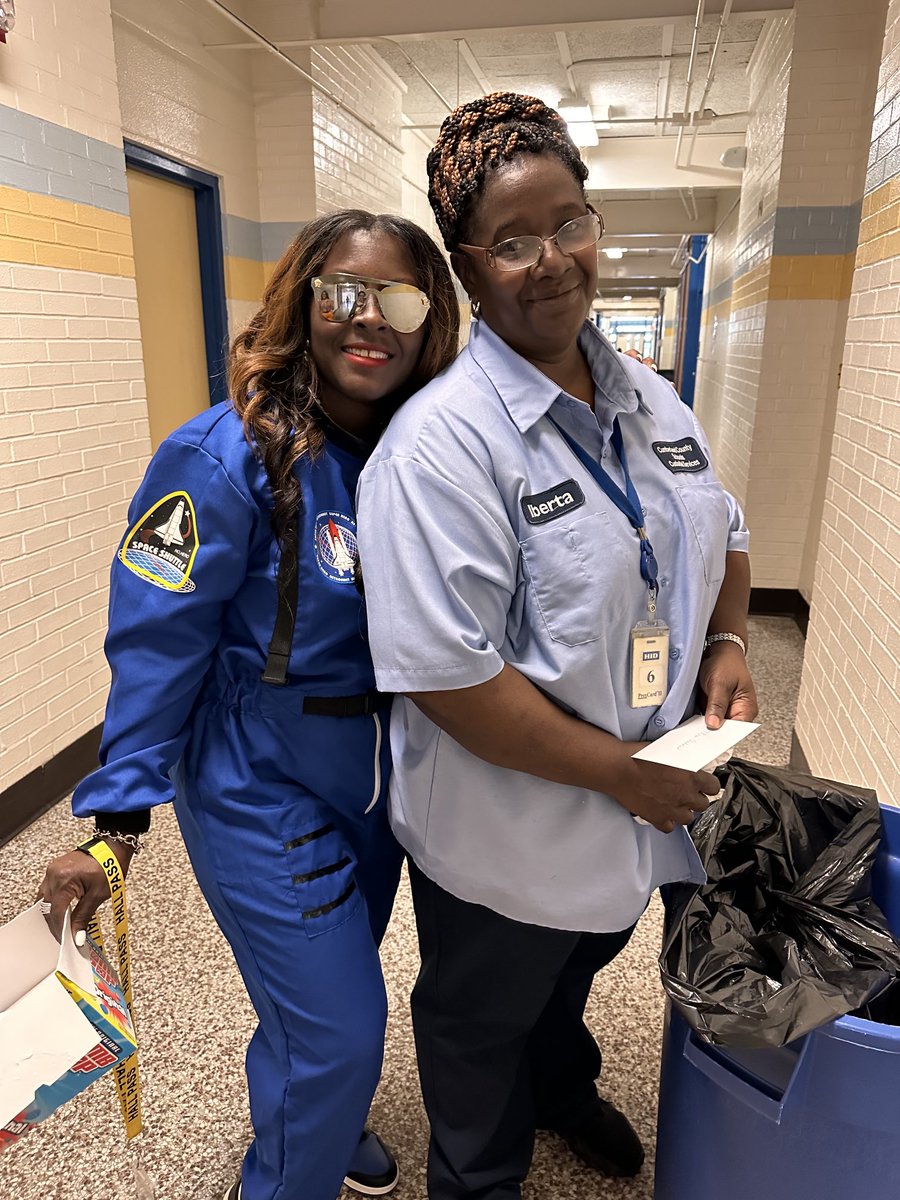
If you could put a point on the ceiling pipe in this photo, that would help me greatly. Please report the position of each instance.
(692, 62)
(710, 76)
(295, 66)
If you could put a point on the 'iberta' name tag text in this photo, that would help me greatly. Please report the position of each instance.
(683, 455)
(545, 506)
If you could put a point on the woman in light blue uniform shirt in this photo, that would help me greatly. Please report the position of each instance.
(523, 521)
(243, 688)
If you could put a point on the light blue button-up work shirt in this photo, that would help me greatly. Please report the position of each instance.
(484, 541)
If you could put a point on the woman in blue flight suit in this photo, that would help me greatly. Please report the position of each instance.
(242, 687)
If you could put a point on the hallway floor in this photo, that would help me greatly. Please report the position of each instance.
(194, 1021)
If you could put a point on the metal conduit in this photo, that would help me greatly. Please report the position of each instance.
(295, 66)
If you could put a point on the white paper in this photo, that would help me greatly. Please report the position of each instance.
(692, 746)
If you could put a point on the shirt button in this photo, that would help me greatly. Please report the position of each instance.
(674, 652)
(664, 581)
(659, 721)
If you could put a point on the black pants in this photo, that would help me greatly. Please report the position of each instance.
(498, 1015)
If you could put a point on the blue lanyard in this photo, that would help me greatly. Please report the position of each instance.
(626, 502)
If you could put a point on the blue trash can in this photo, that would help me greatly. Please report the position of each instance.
(818, 1119)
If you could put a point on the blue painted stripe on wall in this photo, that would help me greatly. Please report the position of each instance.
(39, 156)
(261, 241)
(824, 229)
(275, 236)
(719, 293)
(241, 237)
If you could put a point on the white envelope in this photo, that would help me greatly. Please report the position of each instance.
(692, 746)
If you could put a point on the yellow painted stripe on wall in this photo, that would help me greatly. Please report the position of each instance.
(720, 311)
(49, 232)
(796, 277)
(752, 288)
(811, 276)
(245, 278)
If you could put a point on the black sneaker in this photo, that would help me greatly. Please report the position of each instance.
(603, 1139)
(234, 1192)
(373, 1171)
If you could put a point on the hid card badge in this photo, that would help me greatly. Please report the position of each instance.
(649, 664)
(336, 549)
(162, 546)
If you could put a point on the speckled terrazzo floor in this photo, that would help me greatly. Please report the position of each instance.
(195, 1022)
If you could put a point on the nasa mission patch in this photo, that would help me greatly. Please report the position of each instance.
(336, 549)
(162, 546)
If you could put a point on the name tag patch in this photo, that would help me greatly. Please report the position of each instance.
(684, 455)
(546, 506)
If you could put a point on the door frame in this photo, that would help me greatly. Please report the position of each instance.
(209, 245)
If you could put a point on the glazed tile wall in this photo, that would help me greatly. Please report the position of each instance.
(727, 398)
(73, 429)
(812, 88)
(715, 337)
(848, 719)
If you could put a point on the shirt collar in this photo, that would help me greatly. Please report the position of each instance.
(528, 394)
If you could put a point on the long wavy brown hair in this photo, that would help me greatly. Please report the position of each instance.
(271, 372)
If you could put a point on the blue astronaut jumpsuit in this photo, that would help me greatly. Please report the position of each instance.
(279, 790)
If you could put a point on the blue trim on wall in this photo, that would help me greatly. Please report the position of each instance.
(692, 299)
(209, 244)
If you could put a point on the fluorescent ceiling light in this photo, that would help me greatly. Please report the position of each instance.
(580, 120)
(574, 110)
(613, 251)
(626, 297)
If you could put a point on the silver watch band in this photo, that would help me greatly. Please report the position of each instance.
(712, 638)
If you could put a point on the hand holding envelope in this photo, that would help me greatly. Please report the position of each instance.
(695, 747)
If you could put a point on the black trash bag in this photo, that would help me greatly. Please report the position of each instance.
(785, 935)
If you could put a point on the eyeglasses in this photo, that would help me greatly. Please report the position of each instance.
(519, 253)
(340, 297)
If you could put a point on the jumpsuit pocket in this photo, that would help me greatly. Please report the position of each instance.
(571, 570)
(707, 511)
(322, 868)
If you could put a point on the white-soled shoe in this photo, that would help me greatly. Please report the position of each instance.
(373, 1171)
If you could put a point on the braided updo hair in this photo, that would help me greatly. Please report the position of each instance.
(482, 134)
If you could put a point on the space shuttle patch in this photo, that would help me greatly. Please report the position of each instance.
(162, 546)
(336, 550)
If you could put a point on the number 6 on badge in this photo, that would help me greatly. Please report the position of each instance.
(649, 664)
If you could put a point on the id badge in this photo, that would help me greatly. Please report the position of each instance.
(649, 664)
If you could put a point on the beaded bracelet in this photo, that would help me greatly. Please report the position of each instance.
(134, 840)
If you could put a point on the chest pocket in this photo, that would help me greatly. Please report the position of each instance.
(707, 511)
(572, 572)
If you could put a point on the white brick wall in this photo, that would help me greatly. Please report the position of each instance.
(848, 719)
(715, 343)
(73, 437)
(60, 65)
(730, 378)
(355, 166)
(185, 101)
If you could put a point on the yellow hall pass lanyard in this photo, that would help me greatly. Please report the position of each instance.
(128, 1081)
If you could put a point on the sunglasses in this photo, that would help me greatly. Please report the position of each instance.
(340, 297)
(519, 253)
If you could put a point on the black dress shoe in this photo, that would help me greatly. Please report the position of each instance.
(603, 1139)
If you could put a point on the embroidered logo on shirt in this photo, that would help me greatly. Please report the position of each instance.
(546, 506)
(162, 546)
(336, 549)
(684, 455)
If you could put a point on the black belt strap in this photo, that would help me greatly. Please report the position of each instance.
(283, 634)
(346, 706)
(279, 658)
